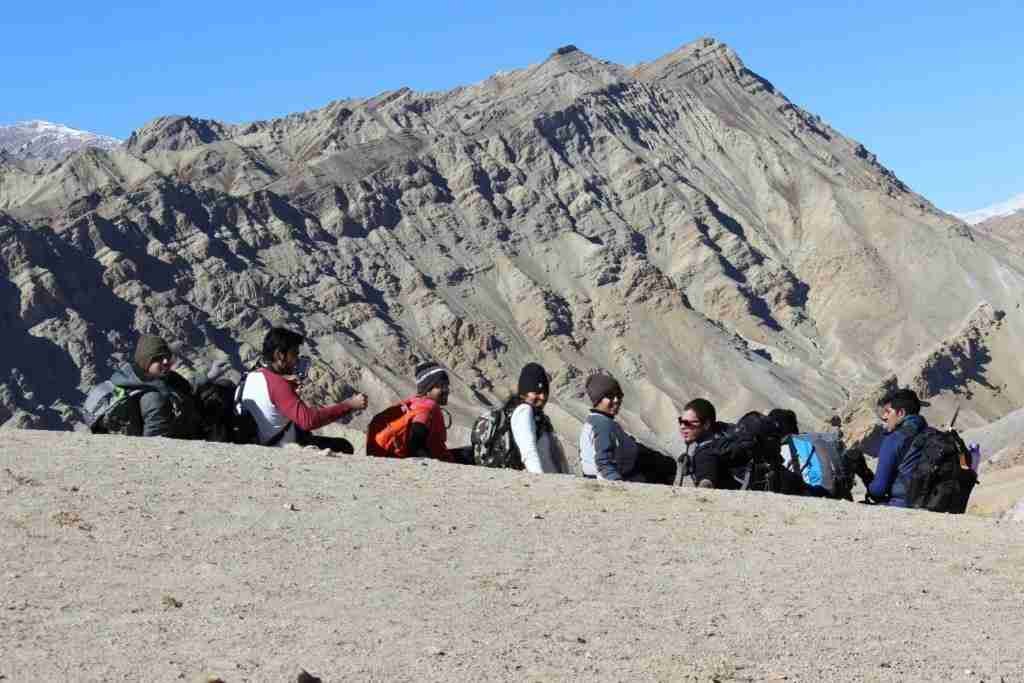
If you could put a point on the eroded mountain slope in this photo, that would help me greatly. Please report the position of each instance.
(681, 223)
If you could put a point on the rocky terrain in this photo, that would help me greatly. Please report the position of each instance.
(156, 560)
(681, 223)
(41, 140)
(1007, 230)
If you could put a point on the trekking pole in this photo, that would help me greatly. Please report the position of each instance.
(956, 413)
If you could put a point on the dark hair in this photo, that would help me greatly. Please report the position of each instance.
(280, 339)
(902, 399)
(785, 421)
(703, 409)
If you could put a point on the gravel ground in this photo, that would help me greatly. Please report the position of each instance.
(148, 559)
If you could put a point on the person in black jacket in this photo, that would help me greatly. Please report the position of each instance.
(699, 427)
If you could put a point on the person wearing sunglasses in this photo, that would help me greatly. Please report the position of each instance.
(607, 451)
(270, 395)
(166, 402)
(699, 426)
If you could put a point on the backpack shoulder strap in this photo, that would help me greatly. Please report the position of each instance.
(276, 438)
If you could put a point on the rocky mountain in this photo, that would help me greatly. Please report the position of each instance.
(681, 223)
(45, 140)
(1006, 229)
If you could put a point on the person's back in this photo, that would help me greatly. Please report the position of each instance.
(166, 402)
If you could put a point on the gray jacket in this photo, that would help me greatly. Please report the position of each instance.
(606, 450)
(167, 406)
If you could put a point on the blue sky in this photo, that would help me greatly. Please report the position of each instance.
(935, 89)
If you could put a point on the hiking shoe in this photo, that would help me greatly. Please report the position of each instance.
(706, 484)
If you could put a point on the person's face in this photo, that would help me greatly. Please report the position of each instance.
(691, 428)
(610, 404)
(892, 418)
(537, 399)
(160, 365)
(285, 363)
(439, 393)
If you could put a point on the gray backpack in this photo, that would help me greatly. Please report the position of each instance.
(492, 441)
(110, 409)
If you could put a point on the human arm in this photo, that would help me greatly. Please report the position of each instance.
(604, 453)
(887, 467)
(156, 414)
(418, 435)
(287, 401)
(211, 374)
(524, 433)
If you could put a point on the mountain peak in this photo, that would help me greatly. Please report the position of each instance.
(176, 133)
(701, 60)
(1007, 208)
(589, 70)
(38, 139)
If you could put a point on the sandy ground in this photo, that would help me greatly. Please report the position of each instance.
(153, 560)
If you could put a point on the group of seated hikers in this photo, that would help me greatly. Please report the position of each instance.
(917, 466)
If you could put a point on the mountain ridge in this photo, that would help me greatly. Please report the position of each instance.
(1002, 209)
(41, 140)
(681, 223)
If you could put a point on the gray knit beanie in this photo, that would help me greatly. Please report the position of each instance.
(428, 376)
(601, 385)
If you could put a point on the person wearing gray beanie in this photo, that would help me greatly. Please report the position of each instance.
(600, 386)
(607, 451)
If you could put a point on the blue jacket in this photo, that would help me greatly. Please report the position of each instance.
(896, 462)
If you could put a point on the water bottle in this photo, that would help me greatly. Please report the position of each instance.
(975, 452)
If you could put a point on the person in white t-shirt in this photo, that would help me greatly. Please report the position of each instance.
(532, 432)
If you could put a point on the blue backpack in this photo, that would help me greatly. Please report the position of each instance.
(818, 460)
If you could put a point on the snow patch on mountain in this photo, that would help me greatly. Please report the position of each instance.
(1007, 208)
(46, 140)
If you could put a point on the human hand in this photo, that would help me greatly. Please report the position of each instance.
(357, 402)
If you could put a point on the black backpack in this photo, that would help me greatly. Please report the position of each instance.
(216, 404)
(942, 480)
(752, 450)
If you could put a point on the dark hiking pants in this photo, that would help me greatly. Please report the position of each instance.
(655, 467)
(335, 444)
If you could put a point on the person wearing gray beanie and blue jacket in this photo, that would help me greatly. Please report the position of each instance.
(607, 451)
